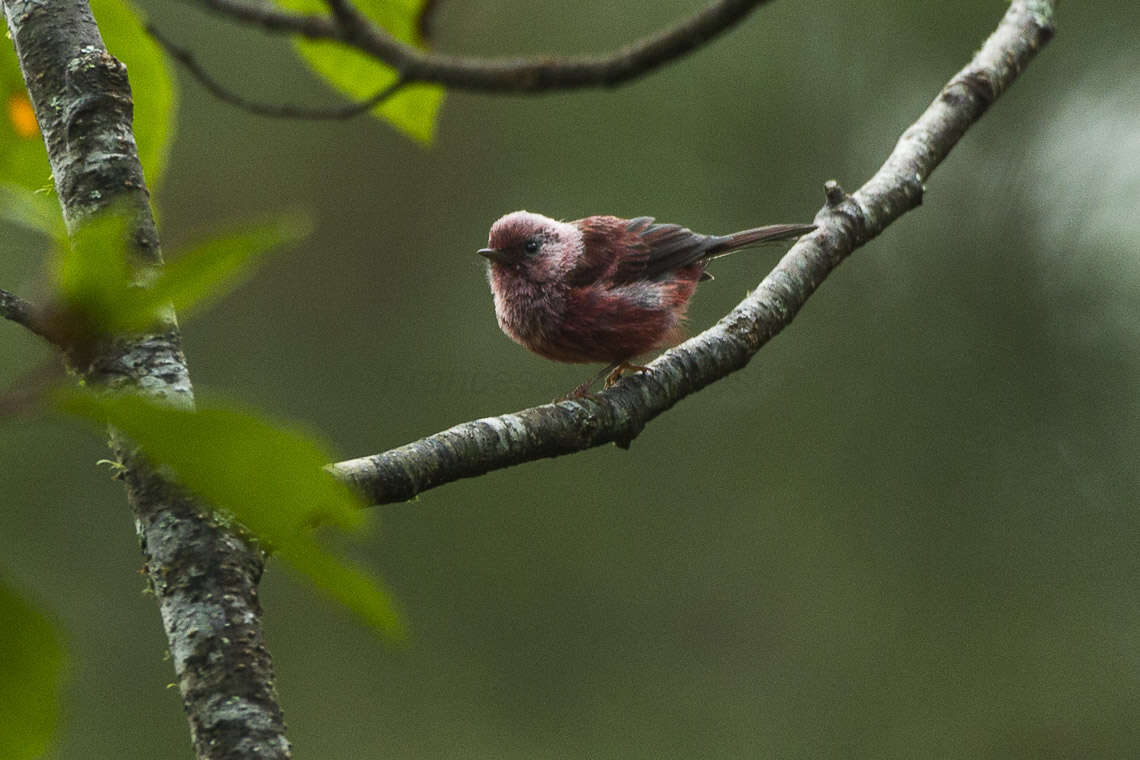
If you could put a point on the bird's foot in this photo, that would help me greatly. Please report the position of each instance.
(613, 373)
(621, 369)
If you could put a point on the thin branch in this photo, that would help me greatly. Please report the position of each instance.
(352, 22)
(204, 576)
(19, 311)
(845, 223)
(519, 75)
(275, 110)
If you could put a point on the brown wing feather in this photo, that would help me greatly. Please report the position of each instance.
(672, 246)
(621, 251)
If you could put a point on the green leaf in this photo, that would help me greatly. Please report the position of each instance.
(412, 110)
(34, 210)
(31, 668)
(91, 272)
(151, 83)
(94, 278)
(23, 160)
(270, 478)
(206, 272)
(351, 586)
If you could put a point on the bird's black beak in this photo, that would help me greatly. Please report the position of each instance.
(493, 254)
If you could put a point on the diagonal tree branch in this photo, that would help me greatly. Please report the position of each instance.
(845, 223)
(19, 311)
(518, 75)
(204, 576)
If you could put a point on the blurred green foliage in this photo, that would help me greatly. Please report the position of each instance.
(95, 282)
(23, 160)
(269, 477)
(31, 669)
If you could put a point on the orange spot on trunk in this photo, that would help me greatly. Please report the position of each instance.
(21, 115)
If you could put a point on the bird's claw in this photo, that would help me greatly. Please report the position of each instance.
(615, 374)
(619, 370)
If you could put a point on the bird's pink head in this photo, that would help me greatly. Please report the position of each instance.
(533, 246)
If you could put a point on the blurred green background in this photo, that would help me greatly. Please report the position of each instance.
(908, 529)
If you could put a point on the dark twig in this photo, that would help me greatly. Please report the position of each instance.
(19, 311)
(520, 75)
(35, 319)
(845, 223)
(352, 22)
(275, 110)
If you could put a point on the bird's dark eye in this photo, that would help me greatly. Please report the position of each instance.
(531, 246)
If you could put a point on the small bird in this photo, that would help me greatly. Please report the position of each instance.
(602, 289)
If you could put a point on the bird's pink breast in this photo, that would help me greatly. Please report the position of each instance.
(609, 324)
(525, 310)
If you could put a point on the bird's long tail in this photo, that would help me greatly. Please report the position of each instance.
(758, 236)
